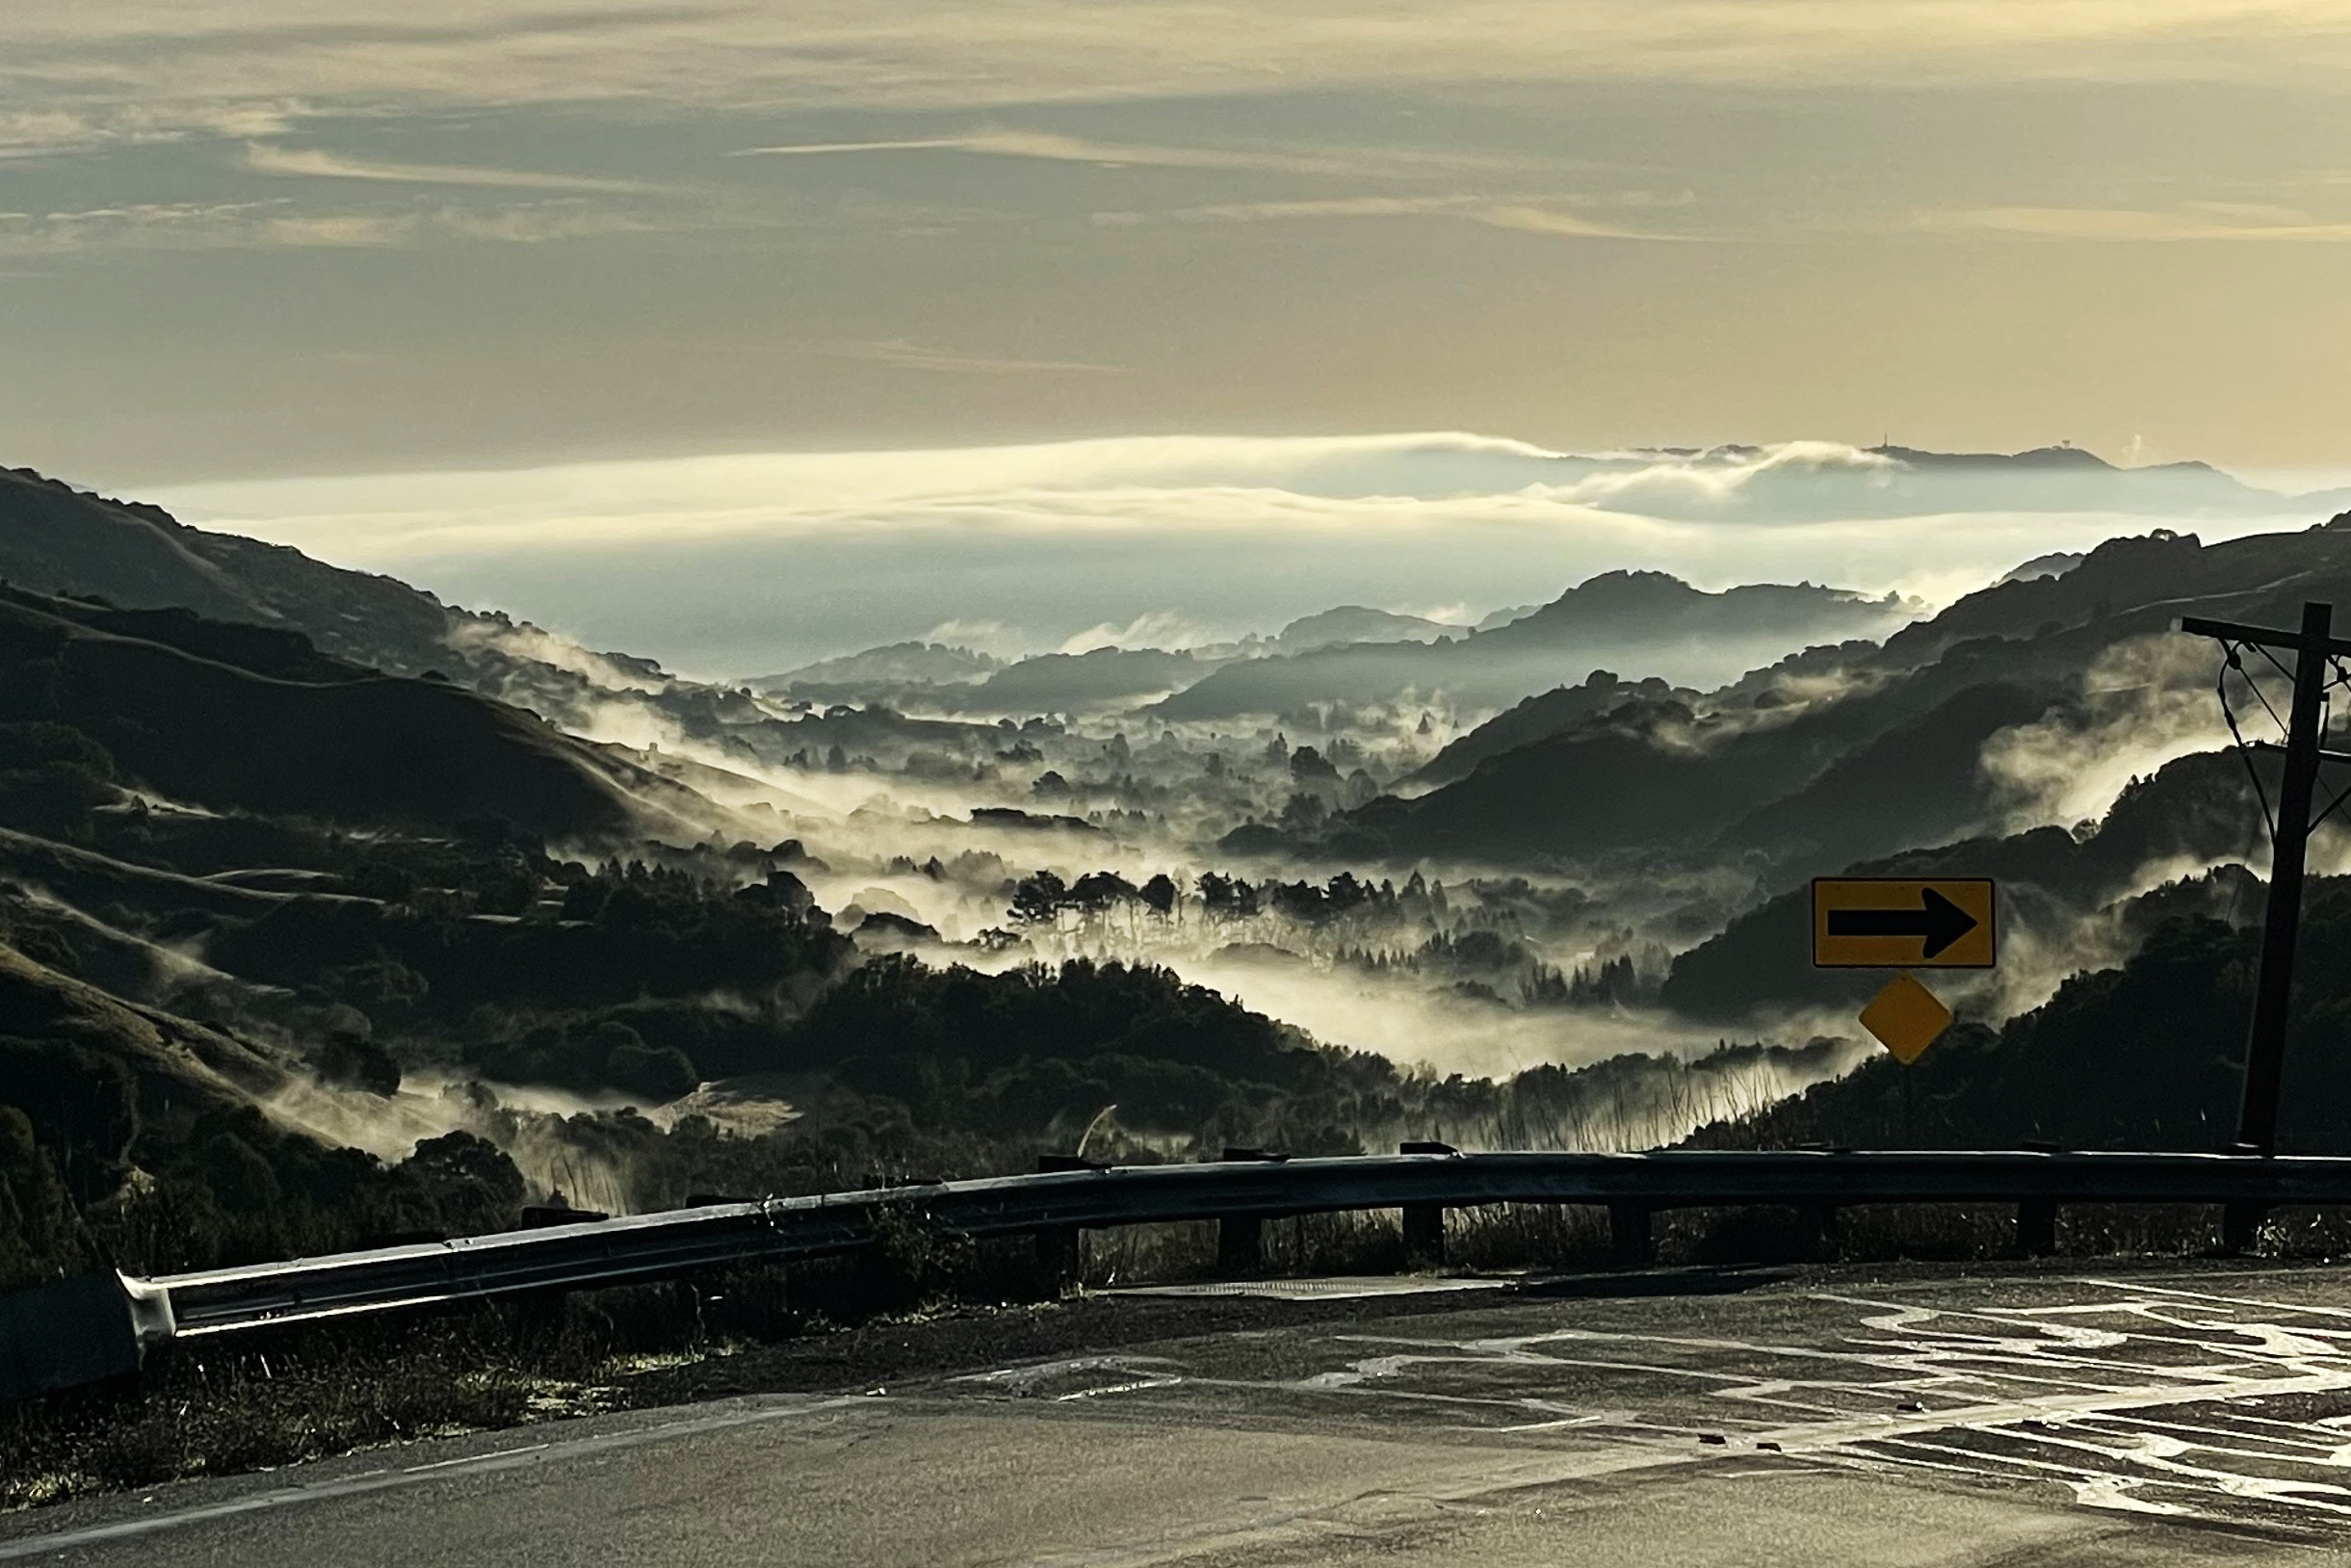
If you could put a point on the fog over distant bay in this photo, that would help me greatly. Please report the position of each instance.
(738, 566)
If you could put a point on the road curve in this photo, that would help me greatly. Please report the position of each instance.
(2150, 1416)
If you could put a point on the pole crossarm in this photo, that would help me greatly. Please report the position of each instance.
(2324, 755)
(2261, 637)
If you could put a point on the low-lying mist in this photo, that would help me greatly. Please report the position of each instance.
(698, 562)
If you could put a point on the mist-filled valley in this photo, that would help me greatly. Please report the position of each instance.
(933, 784)
(332, 912)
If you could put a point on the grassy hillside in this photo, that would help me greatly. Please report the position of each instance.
(58, 539)
(232, 718)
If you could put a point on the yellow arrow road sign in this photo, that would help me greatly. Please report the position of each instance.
(1897, 922)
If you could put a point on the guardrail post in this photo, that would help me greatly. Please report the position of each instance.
(1822, 1221)
(1424, 1223)
(2240, 1222)
(1060, 1253)
(1241, 1239)
(1239, 1244)
(1059, 1259)
(1423, 1235)
(2036, 1227)
(1631, 1237)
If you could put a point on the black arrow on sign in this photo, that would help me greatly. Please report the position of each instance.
(1936, 921)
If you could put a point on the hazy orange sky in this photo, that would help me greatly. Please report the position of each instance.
(274, 237)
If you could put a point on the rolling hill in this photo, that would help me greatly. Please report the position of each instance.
(1846, 754)
(228, 717)
(1646, 623)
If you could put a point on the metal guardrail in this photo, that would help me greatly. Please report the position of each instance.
(55, 1337)
(1054, 1206)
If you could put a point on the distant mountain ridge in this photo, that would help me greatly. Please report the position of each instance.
(1548, 713)
(1840, 754)
(54, 537)
(1074, 682)
(1818, 482)
(1650, 624)
(1360, 623)
(1799, 481)
(903, 664)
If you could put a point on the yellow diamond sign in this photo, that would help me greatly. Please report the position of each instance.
(1906, 1018)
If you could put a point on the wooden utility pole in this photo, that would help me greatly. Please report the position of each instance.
(2290, 835)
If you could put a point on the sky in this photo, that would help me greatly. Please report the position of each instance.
(267, 238)
(738, 333)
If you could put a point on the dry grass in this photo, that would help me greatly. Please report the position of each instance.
(1509, 1238)
(223, 1414)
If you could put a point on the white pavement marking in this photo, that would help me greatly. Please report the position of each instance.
(2020, 1385)
(1339, 1287)
(2044, 1395)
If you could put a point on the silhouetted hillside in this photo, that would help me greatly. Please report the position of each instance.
(1919, 781)
(1846, 754)
(57, 540)
(1359, 623)
(289, 730)
(1561, 709)
(888, 673)
(176, 1069)
(2144, 584)
(1076, 682)
(1644, 622)
(927, 663)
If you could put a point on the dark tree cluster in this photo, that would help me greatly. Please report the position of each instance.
(89, 1173)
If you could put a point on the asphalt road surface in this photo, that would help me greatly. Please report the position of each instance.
(2145, 1417)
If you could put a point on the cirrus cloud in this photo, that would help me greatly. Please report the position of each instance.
(945, 53)
(907, 354)
(235, 225)
(1071, 149)
(1557, 217)
(268, 158)
(2190, 221)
